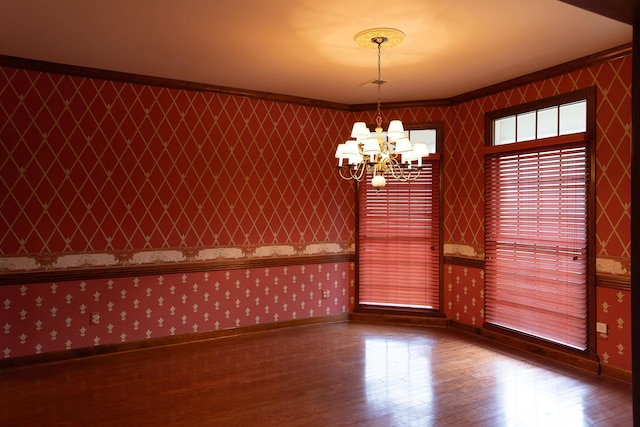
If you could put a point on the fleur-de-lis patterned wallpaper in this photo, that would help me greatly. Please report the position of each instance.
(50, 317)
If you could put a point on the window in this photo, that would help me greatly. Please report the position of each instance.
(538, 192)
(546, 122)
(399, 237)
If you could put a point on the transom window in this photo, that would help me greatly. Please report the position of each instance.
(556, 120)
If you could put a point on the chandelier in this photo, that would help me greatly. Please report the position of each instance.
(395, 156)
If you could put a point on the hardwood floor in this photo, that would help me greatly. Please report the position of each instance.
(322, 375)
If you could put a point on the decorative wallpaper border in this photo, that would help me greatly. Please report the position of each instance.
(463, 250)
(611, 266)
(125, 258)
(102, 265)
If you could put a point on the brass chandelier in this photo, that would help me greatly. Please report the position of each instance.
(391, 156)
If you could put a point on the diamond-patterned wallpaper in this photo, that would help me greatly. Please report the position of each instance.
(463, 161)
(97, 166)
(108, 169)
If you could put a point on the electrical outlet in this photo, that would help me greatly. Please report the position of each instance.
(325, 293)
(94, 319)
(601, 328)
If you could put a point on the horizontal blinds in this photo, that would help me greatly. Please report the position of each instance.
(536, 242)
(398, 245)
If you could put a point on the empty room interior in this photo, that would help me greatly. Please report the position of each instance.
(303, 213)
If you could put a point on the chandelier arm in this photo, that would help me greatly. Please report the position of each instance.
(411, 174)
(400, 172)
(348, 175)
(353, 172)
(395, 169)
(360, 171)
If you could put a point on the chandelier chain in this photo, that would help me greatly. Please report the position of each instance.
(379, 41)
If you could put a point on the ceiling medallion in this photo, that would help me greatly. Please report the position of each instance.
(389, 36)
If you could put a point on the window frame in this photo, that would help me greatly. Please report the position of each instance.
(438, 126)
(588, 94)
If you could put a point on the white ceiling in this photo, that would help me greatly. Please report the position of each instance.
(305, 48)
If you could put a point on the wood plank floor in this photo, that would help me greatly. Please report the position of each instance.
(345, 374)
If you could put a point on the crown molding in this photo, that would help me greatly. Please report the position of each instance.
(96, 73)
(565, 68)
(72, 70)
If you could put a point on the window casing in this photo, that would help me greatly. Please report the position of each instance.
(399, 234)
(539, 196)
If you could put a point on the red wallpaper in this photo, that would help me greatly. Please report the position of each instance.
(46, 317)
(464, 294)
(121, 173)
(614, 309)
